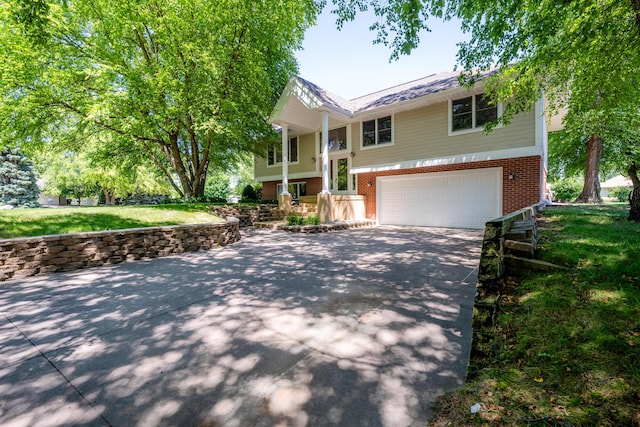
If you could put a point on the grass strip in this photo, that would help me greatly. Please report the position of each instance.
(567, 344)
(46, 221)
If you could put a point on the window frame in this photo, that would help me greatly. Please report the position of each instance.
(474, 114)
(339, 150)
(376, 131)
(277, 149)
(297, 184)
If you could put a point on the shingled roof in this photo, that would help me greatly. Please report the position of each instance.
(414, 89)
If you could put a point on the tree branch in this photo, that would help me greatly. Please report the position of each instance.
(101, 123)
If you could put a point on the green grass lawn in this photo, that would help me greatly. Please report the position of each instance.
(45, 221)
(567, 344)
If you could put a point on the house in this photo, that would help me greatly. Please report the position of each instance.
(615, 182)
(413, 154)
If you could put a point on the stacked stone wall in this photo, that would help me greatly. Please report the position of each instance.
(248, 215)
(64, 252)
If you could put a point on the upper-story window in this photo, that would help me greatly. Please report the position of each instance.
(472, 113)
(337, 139)
(377, 132)
(274, 152)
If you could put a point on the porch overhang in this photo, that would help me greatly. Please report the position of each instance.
(301, 108)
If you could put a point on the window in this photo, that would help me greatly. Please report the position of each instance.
(274, 152)
(337, 139)
(472, 113)
(296, 189)
(377, 132)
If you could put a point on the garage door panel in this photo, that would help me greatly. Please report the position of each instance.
(465, 199)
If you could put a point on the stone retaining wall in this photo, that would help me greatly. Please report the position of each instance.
(248, 215)
(64, 252)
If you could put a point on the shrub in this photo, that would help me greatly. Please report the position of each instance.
(249, 193)
(297, 219)
(313, 220)
(566, 189)
(217, 187)
(620, 193)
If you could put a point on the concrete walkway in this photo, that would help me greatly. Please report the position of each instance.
(362, 327)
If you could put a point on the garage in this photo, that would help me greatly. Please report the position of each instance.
(460, 199)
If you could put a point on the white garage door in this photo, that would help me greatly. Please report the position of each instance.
(462, 199)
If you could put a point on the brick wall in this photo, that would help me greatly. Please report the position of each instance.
(64, 252)
(517, 193)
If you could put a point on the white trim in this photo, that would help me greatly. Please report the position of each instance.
(300, 175)
(473, 116)
(451, 160)
(377, 145)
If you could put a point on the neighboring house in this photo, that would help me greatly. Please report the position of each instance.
(413, 154)
(616, 181)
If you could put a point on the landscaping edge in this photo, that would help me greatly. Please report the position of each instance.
(31, 256)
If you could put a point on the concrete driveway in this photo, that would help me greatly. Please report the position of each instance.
(354, 328)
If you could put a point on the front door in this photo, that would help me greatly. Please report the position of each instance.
(340, 177)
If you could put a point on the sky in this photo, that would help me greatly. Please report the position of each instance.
(348, 64)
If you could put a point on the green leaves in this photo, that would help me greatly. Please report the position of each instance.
(187, 83)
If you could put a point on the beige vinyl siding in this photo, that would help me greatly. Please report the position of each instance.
(423, 134)
(306, 150)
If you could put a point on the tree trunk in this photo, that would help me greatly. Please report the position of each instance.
(591, 189)
(634, 196)
(109, 198)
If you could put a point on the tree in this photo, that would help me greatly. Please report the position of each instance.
(189, 84)
(584, 54)
(18, 186)
(218, 186)
(88, 174)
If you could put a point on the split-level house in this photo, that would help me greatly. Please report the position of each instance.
(413, 154)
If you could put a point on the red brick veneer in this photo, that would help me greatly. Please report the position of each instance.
(517, 193)
(314, 186)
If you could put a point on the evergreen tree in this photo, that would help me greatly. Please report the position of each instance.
(17, 180)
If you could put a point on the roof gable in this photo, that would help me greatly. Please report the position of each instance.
(313, 97)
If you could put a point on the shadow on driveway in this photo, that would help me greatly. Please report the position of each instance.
(356, 328)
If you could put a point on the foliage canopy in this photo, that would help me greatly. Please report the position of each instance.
(189, 84)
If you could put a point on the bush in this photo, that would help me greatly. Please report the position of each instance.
(566, 189)
(313, 220)
(297, 219)
(620, 193)
(249, 193)
(217, 187)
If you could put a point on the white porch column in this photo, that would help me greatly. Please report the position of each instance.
(285, 158)
(324, 197)
(284, 199)
(325, 153)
